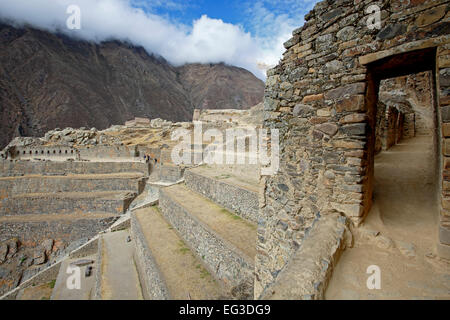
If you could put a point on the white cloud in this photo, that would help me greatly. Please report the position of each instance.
(273, 21)
(206, 41)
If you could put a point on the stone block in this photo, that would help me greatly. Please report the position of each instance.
(445, 101)
(299, 48)
(391, 31)
(447, 147)
(355, 154)
(444, 216)
(354, 129)
(350, 210)
(353, 118)
(348, 144)
(446, 203)
(430, 16)
(324, 112)
(446, 130)
(443, 251)
(444, 77)
(446, 185)
(332, 14)
(444, 61)
(346, 34)
(318, 120)
(328, 128)
(446, 162)
(291, 42)
(350, 90)
(444, 233)
(353, 103)
(313, 97)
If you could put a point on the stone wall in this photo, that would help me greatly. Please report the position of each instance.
(322, 97)
(411, 94)
(220, 257)
(381, 128)
(392, 127)
(409, 129)
(242, 201)
(33, 230)
(63, 153)
(19, 168)
(10, 186)
(252, 116)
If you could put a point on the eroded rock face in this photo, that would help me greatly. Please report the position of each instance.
(20, 261)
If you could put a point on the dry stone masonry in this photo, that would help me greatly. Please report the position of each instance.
(343, 92)
(323, 96)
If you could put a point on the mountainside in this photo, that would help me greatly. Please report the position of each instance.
(49, 81)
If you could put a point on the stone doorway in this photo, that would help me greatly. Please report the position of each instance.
(400, 230)
(384, 77)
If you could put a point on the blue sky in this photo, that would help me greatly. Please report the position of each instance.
(245, 33)
(254, 16)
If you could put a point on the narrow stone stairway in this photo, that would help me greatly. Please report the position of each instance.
(116, 275)
(191, 240)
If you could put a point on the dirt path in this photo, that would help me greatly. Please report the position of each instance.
(400, 233)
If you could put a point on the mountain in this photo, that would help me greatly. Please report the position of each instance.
(51, 80)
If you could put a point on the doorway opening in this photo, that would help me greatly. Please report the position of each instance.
(402, 187)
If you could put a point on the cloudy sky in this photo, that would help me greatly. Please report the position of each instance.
(244, 33)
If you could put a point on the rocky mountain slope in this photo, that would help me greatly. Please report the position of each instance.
(49, 81)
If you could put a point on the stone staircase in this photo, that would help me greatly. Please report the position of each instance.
(194, 245)
(116, 276)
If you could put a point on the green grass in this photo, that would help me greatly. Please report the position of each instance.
(232, 216)
(238, 218)
(183, 248)
(51, 284)
(204, 273)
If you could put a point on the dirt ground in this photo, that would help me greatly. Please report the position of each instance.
(400, 232)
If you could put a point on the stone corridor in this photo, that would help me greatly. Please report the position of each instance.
(400, 232)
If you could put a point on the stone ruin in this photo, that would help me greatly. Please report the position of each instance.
(343, 93)
(323, 98)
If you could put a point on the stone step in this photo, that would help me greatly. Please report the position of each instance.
(71, 183)
(227, 189)
(62, 291)
(167, 267)
(116, 278)
(19, 168)
(116, 202)
(225, 242)
(68, 228)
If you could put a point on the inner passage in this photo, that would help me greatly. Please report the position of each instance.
(400, 232)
